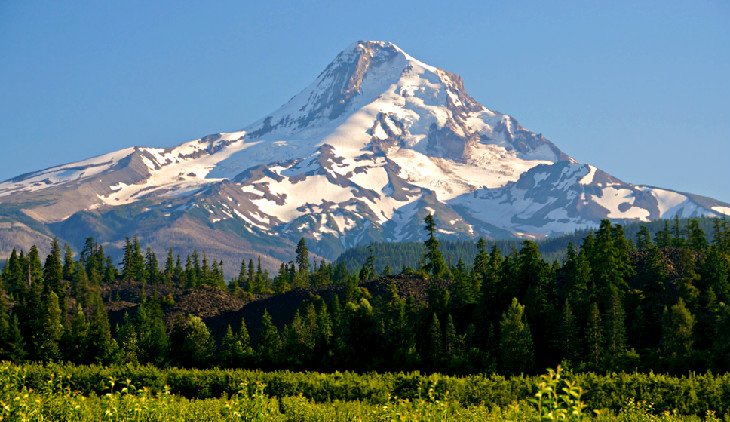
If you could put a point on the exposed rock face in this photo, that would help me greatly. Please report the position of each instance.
(379, 140)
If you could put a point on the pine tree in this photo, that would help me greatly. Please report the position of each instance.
(262, 277)
(35, 268)
(302, 257)
(101, 346)
(435, 264)
(481, 260)
(250, 280)
(677, 333)
(615, 331)
(47, 340)
(169, 271)
(244, 339)
(53, 272)
(367, 272)
(110, 271)
(643, 239)
(569, 338)
(515, 343)
(68, 262)
(153, 341)
(323, 335)
(80, 285)
(13, 274)
(128, 342)
(152, 270)
(270, 343)
(435, 344)
(577, 272)
(76, 338)
(15, 343)
(594, 337)
(231, 350)
(451, 339)
(127, 261)
(138, 262)
(663, 237)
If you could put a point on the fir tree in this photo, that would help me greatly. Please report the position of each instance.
(47, 340)
(302, 257)
(594, 337)
(515, 343)
(677, 332)
(435, 345)
(270, 342)
(435, 264)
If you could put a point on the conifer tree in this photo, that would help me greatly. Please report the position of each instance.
(231, 350)
(615, 331)
(481, 260)
(244, 339)
(14, 342)
(451, 339)
(101, 346)
(435, 264)
(76, 338)
(53, 271)
(367, 272)
(435, 344)
(153, 341)
(270, 343)
(515, 343)
(677, 332)
(169, 271)
(569, 337)
(152, 270)
(594, 337)
(47, 340)
(250, 274)
(302, 257)
(663, 237)
(126, 337)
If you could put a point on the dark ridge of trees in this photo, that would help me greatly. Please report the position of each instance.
(397, 255)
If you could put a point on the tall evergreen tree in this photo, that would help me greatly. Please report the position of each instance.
(269, 347)
(435, 264)
(677, 333)
(594, 337)
(515, 343)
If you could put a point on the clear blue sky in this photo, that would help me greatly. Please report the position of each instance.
(640, 89)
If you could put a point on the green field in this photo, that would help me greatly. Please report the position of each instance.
(66, 392)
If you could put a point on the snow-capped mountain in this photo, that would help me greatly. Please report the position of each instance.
(362, 154)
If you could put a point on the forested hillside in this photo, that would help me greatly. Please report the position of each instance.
(646, 302)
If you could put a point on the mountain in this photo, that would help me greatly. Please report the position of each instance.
(376, 142)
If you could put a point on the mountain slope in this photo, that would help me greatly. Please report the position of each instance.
(378, 140)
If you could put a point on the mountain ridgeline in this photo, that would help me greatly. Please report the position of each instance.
(378, 141)
(656, 302)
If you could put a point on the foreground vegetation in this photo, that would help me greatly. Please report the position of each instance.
(64, 392)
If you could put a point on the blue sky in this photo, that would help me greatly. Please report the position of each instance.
(639, 89)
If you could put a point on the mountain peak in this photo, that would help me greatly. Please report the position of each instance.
(361, 154)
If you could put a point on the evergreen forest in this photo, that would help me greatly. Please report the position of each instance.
(655, 302)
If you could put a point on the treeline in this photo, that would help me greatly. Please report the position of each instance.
(656, 302)
(394, 256)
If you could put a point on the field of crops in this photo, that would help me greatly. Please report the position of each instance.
(81, 393)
